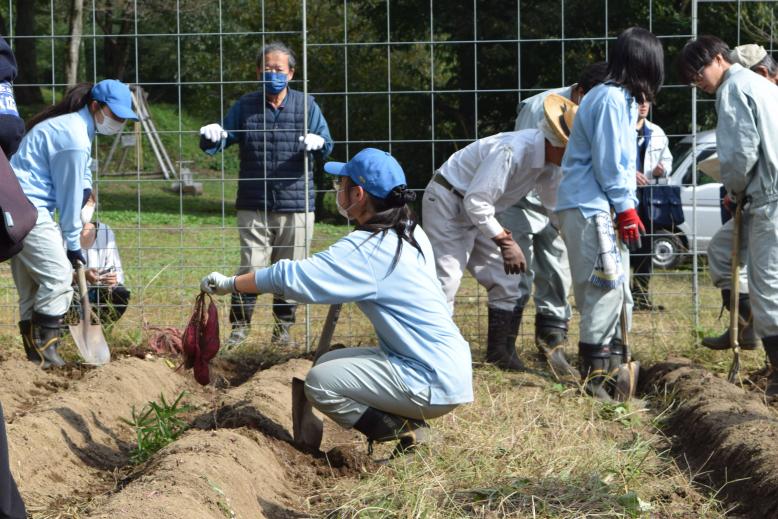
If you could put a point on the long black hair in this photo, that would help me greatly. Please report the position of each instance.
(700, 53)
(75, 99)
(636, 62)
(393, 213)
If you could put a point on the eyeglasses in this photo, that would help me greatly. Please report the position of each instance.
(698, 75)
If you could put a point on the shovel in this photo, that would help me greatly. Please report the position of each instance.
(89, 337)
(307, 429)
(627, 374)
(734, 298)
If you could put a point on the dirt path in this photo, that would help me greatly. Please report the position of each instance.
(728, 435)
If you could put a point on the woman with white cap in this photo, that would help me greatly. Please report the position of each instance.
(421, 368)
(52, 165)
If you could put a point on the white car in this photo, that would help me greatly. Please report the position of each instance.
(671, 249)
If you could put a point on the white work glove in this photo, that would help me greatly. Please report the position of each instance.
(213, 132)
(312, 142)
(215, 283)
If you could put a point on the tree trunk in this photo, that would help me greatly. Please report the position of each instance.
(26, 54)
(74, 44)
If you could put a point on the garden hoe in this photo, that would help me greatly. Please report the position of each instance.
(734, 299)
(89, 337)
(307, 429)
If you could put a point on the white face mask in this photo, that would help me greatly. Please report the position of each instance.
(109, 126)
(343, 210)
(86, 213)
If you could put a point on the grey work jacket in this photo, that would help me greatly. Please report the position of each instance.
(747, 135)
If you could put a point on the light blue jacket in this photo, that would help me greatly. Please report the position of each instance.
(598, 169)
(52, 165)
(747, 134)
(407, 306)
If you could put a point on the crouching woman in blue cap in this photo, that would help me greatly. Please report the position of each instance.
(52, 165)
(421, 368)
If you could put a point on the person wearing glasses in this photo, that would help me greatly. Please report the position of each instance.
(273, 224)
(746, 137)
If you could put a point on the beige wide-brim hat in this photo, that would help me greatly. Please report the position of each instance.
(747, 55)
(560, 114)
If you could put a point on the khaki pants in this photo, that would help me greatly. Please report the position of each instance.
(266, 237)
(42, 272)
(344, 383)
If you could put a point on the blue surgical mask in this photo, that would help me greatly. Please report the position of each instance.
(275, 82)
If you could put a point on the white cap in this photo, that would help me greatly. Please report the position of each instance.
(747, 55)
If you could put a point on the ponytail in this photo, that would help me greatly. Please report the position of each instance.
(393, 213)
(75, 99)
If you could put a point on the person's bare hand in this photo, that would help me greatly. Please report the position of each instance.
(659, 171)
(92, 277)
(641, 179)
(109, 279)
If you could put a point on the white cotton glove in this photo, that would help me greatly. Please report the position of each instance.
(215, 283)
(312, 142)
(213, 132)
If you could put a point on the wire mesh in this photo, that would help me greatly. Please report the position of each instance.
(418, 78)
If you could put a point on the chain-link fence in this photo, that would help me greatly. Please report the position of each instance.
(420, 79)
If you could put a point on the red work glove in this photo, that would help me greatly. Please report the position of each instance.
(630, 229)
(512, 257)
(729, 204)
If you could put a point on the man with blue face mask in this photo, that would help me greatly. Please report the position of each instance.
(268, 126)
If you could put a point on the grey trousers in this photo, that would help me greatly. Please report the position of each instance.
(600, 308)
(546, 255)
(344, 383)
(42, 272)
(760, 231)
(720, 256)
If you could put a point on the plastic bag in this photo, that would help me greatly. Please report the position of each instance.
(201, 338)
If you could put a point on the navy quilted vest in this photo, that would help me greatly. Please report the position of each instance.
(272, 174)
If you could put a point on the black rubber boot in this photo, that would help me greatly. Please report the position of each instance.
(595, 362)
(501, 339)
(747, 339)
(25, 329)
(379, 426)
(549, 331)
(616, 359)
(46, 331)
(284, 316)
(771, 348)
(241, 310)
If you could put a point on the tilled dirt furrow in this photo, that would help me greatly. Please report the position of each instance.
(69, 444)
(727, 434)
(206, 474)
(25, 385)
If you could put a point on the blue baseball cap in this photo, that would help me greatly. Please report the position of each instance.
(376, 171)
(117, 96)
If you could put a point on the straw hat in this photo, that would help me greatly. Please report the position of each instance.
(560, 113)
